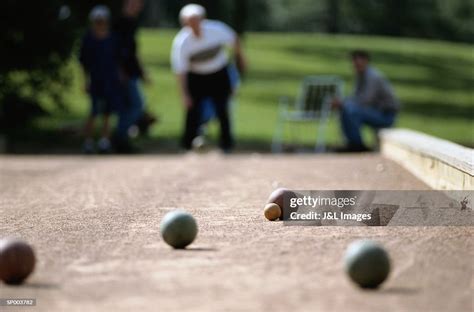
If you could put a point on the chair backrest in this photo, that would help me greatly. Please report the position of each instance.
(315, 90)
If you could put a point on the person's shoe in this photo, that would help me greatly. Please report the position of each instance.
(353, 149)
(227, 150)
(145, 122)
(133, 132)
(199, 144)
(104, 146)
(88, 147)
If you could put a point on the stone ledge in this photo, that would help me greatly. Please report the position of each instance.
(439, 163)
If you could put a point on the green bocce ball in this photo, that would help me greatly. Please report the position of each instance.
(367, 263)
(178, 229)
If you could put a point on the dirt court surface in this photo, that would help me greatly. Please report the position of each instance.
(94, 223)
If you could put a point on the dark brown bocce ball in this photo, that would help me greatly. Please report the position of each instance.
(17, 261)
(278, 197)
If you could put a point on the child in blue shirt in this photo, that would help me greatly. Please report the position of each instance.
(99, 57)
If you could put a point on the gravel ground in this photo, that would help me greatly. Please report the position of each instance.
(94, 223)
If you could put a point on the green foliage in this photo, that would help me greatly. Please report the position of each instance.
(436, 19)
(26, 38)
(37, 40)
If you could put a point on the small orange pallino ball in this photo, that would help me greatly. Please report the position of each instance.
(277, 197)
(272, 212)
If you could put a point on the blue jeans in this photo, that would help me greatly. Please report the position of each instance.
(354, 116)
(132, 109)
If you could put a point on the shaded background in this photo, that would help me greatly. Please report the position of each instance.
(449, 20)
(424, 47)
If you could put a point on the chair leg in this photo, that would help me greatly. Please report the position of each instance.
(377, 140)
(321, 140)
(294, 130)
(277, 144)
(321, 137)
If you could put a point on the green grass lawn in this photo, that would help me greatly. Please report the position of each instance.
(433, 79)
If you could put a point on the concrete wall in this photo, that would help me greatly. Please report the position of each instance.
(440, 164)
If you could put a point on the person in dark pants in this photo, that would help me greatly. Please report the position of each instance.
(133, 74)
(373, 103)
(217, 88)
(99, 58)
(200, 61)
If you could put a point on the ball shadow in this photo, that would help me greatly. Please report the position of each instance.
(399, 290)
(35, 285)
(199, 249)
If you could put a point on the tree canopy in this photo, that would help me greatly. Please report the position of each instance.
(435, 19)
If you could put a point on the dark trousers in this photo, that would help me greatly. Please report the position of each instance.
(216, 87)
(354, 116)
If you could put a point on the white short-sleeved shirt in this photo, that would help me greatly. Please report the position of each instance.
(205, 54)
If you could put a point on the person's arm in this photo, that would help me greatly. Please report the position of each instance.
(138, 64)
(141, 72)
(232, 39)
(240, 57)
(183, 88)
(84, 61)
(180, 65)
(87, 83)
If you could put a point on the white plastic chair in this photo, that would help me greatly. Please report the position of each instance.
(313, 104)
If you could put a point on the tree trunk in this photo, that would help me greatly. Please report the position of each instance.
(152, 15)
(240, 15)
(333, 13)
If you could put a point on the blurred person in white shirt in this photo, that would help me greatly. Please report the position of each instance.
(200, 58)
